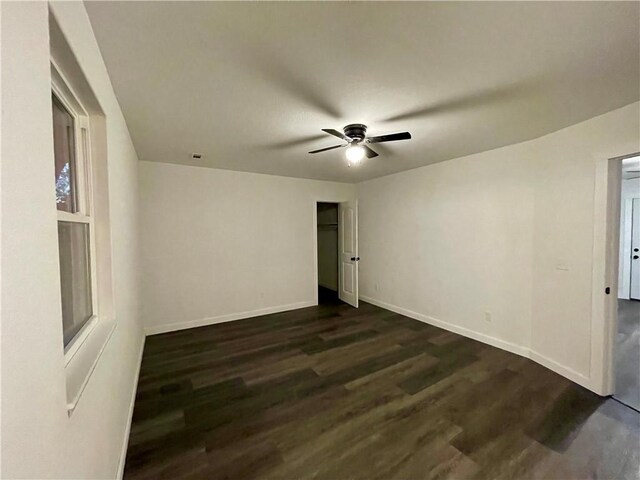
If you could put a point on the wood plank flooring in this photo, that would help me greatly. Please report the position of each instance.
(337, 393)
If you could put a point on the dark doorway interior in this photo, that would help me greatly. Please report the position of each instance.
(328, 278)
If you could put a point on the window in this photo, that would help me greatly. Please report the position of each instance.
(65, 154)
(75, 222)
(75, 277)
(80, 198)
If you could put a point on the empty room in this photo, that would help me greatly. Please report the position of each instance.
(320, 240)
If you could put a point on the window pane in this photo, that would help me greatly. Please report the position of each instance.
(64, 152)
(75, 277)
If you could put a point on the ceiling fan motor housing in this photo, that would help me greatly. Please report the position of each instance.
(356, 131)
(356, 135)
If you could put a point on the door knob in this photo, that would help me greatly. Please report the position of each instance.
(635, 257)
(636, 249)
(355, 259)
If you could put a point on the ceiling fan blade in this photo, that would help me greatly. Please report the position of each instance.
(328, 148)
(335, 133)
(390, 138)
(368, 152)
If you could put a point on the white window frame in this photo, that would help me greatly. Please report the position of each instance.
(83, 202)
(82, 353)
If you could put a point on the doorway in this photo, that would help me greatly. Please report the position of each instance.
(327, 238)
(627, 347)
(337, 252)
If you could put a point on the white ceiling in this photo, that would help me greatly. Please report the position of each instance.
(250, 85)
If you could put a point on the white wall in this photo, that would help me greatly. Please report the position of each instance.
(629, 190)
(220, 245)
(39, 439)
(508, 231)
(328, 248)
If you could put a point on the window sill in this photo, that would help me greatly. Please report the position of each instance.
(83, 355)
(76, 343)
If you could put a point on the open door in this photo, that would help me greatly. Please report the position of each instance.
(348, 248)
(634, 293)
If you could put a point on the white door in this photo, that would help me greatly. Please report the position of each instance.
(348, 247)
(635, 250)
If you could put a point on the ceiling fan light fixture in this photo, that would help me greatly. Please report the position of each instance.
(357, 142)
(355, 154)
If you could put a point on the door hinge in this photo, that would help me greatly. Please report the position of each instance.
(607, 290)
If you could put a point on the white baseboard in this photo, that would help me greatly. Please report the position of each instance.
(560, 369)
(327, 286)
(172, 327)
(552, 365)
(481, 337)
(125, 443)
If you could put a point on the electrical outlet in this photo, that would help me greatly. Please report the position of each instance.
(487, 317)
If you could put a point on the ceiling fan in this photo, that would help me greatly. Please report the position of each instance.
(357, 142)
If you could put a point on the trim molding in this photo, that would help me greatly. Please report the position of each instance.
(328, 287)
(125, 443)
(172, 327)
(527, 352)
(481, 337)
(560, 369)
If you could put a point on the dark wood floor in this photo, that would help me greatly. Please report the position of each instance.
(336, 393)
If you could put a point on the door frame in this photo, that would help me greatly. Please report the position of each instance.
(314, 207)
(606, 260)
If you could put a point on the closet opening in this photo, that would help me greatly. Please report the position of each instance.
(328, 255)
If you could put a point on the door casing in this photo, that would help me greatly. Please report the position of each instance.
(314, 210)
(606, 260)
